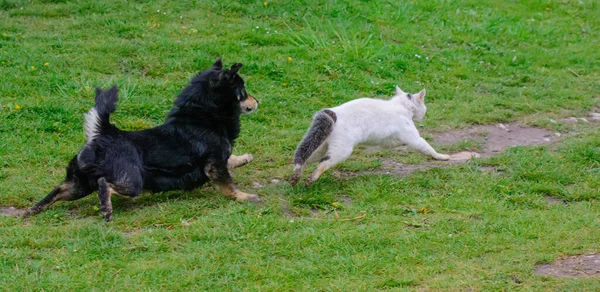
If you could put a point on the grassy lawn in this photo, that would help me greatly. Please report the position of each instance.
(457, 228)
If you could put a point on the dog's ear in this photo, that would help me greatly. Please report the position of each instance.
(225, 75)
(218, 64)
(228, 74)
(234, 69)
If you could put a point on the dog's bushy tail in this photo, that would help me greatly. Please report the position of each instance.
(321, 128)
(97, 119)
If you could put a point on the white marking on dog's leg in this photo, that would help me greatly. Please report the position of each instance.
(237, 161)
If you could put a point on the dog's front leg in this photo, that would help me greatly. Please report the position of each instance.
(237, 161)
(219, 174)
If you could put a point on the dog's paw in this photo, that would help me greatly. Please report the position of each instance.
(107, 216)
(247, 158)
(31, 211)
(106, 213)
(237, 161)
(254, 198)
(27, 213)
(241, 196)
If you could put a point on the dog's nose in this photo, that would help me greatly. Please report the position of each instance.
(248, 109)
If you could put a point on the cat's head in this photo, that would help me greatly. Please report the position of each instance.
(416, 99)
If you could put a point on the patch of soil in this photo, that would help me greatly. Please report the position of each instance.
(389, 166)
(344, 200)
(497, 138)
(12, 211)
(288, 212)
(494, 139)
(555, 201)
(574, 266)
(490, 169)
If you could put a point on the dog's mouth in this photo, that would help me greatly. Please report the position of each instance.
(249, 105)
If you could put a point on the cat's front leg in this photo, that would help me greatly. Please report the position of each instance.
(422, 146)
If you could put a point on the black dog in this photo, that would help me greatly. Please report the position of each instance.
(191, 147)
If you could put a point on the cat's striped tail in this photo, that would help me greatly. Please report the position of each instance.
(321, 128)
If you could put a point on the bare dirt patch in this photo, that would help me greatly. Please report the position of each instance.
(587, 265)
(497, 138)
(11, 211)
(555, 201)
(344, 200)
(494, 139)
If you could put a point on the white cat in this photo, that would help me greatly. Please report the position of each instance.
(387, 123)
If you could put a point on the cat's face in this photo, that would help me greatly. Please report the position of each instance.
(418, 99)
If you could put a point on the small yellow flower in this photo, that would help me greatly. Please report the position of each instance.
(266, 17)
(4, 35)
(335, 204)
(265, 4)
(46, 64)
(32, 67)
(284, 84)
(88, 88)
(2, 62)
(17, 107)
(547, 8)
(289, 59)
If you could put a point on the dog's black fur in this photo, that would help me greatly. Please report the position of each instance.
(192, 146)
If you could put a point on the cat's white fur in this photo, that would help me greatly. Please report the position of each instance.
(368, 121)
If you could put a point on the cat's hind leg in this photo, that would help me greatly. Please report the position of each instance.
(335, 154)
(422, 146)
(314, 157)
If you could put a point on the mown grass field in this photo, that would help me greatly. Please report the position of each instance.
(456, 228)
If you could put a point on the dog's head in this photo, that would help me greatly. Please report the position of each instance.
(228, 87)
(216, 90)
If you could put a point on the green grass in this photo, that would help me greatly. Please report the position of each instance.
(443, 229)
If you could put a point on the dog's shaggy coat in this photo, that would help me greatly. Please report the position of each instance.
(192, 147)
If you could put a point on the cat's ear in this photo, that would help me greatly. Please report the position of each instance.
(398, 90)
(420, 97)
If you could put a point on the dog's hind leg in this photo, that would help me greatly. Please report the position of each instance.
(105, 191)
(67, 191)
(237, 161)
(219, 174)
(72, 188)
(128, 185)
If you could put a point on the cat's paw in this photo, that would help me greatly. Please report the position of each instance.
(442, 157)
